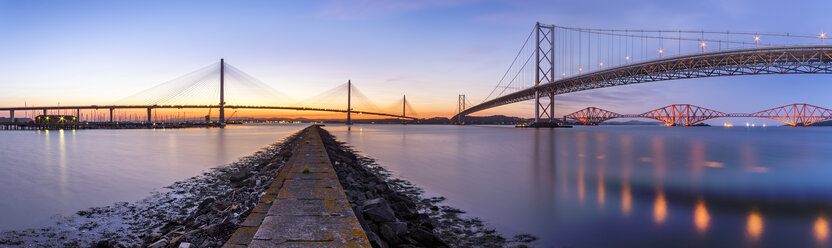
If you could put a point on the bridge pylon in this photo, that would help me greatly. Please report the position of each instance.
(459, 108)
(222, 91)
(544, 71)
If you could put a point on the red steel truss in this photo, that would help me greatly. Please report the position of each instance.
(592, 115)
(798, 114)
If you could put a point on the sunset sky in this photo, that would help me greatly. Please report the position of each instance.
(97, 52)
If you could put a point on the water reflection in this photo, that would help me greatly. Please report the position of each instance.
(672, 185)
(754, 225)
(821, 229)
(659, 208)
(701, 218)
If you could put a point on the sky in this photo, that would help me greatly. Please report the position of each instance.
(98, 52)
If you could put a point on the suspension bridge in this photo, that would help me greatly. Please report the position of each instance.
(556, 60)
(221, 86)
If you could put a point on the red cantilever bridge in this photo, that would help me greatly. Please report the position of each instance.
(799, 114)
(557, 60)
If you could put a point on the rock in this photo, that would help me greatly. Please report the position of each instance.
(388, 234)
(403, 210)
(375, 241)
(159, 244)
(238, 176)
(427, 238)
(185, 245)
(378, 210)
(204, 204)
(400, 228)
(99, 244)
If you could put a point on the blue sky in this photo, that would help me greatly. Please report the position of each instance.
(96, 52)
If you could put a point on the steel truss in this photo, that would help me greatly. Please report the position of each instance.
(798, 114)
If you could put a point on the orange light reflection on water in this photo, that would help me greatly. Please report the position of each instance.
(754, 226)
(701, 218)
(660, 208)
(821, 229)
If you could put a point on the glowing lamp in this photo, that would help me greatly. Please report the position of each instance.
(627, 58)
(601, 64)
(702, 44)
(756, 38)
(661, 51)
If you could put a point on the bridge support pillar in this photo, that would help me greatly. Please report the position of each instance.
(222, 91)
(544, 70)
(111, 115)
(552, 107)
(44, 111)
(11, 116)
(149, 111)
(78, 115)
(349, 104)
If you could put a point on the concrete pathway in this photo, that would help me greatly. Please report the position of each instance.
(304, 207)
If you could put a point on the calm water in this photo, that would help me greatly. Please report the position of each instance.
(60, 172)
(623, 186)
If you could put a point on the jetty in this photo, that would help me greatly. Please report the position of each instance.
(305, 206)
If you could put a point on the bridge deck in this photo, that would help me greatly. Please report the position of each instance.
(309, 206)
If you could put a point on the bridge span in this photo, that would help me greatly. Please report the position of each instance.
(798, 114)
(150, 108)
(193, 91)
(758, 59)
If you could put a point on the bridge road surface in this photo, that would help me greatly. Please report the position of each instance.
(303, 209)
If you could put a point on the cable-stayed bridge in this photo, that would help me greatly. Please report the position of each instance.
(221, 86)
(556, 60)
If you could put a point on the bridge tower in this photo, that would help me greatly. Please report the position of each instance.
(349, 108)
(460, 107)
(404, 104)
(544, 70)
(222, 91)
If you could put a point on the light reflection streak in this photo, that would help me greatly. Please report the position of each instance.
(820, 229)
(754, 225)
(659, 208)
(701, 218)
(626, 193)
(601, 140)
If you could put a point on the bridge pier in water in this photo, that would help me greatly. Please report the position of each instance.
(149, 111)
(111, 115)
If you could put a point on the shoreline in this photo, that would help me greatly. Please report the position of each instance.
(205, 210)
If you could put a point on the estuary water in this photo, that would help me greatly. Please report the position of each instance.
(47, 173)
(622, 186)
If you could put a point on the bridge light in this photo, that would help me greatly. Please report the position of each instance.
(823, 35)
(661, 51)
(627, 58)
(756, 38)
(702, 44)
(563, 74)
(580, 69)
(601, 64)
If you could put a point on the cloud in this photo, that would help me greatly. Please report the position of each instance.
(369, 9)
